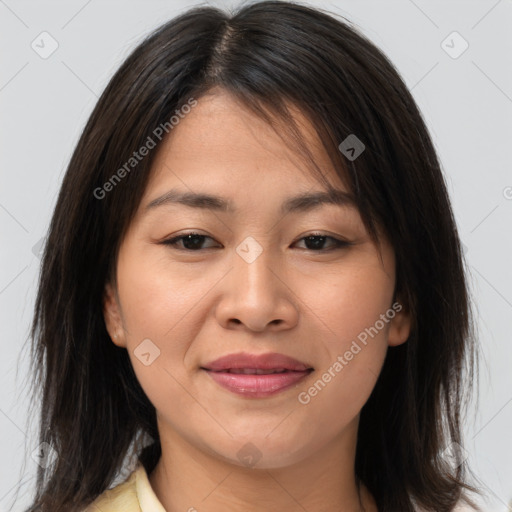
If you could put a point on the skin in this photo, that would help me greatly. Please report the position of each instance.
(199, 305)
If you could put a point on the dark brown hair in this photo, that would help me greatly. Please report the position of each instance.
(268, 55)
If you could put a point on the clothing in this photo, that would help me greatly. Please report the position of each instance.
(135, 494)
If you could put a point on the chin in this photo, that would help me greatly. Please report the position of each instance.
(260, 452)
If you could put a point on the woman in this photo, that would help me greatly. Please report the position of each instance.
(253, 264)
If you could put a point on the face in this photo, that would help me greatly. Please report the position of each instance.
(307, 283)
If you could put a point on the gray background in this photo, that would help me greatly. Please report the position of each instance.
(466, 102)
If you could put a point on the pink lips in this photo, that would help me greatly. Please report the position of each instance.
(257, 376)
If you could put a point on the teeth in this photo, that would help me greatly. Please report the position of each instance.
(256, 371)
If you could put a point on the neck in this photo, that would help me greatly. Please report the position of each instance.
(187, 479)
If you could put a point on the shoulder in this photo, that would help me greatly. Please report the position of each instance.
(121, 497)
(134, 494)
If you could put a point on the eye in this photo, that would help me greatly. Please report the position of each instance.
(315, 242)
(191, 241)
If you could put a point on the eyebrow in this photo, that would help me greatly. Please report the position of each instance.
(300, 203)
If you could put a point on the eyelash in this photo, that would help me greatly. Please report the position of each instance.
(339, 244)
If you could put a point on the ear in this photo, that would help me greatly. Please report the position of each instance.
(400, 325)
(112, 316)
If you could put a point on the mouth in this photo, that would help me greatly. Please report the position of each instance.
(252, 371)
(257, 376)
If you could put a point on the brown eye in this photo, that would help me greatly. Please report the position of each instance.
(316, 242)
(190, 241)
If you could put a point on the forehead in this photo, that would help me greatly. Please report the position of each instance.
(223, 143)
(220, 118)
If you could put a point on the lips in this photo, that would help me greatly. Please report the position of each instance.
(255, 371)
(257, 376)
(256, 364)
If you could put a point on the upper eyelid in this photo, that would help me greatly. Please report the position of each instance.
(337, 239)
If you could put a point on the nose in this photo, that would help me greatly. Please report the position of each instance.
(255, 295)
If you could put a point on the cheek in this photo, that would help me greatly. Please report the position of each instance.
(349, 301)
(345, 380)
(157, 298)
(354, 312)
(166, 307)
